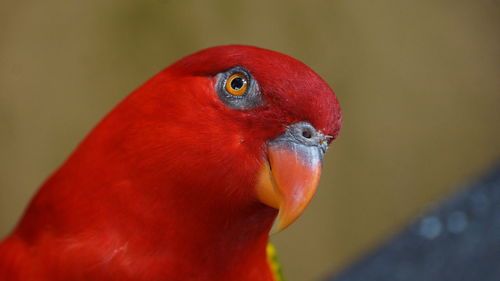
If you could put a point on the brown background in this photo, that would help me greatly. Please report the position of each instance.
(418, 82)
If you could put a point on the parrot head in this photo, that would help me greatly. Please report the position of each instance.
(232, 126)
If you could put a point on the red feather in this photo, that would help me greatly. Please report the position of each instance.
(163, 187)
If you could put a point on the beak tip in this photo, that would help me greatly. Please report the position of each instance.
(277, 225)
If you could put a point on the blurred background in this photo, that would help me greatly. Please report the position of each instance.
(418, 82)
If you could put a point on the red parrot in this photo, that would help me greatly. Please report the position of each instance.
(185, 177)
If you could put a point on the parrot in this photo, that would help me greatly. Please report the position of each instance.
(186, 178)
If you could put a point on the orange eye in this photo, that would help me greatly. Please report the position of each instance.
(237, 84)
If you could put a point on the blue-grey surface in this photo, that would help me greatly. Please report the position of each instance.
(458, 240)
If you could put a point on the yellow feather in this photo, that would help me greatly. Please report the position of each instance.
(272, 259)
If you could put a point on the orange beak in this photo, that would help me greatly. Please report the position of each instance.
(289, 179)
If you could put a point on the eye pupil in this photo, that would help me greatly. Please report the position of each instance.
(237, 83)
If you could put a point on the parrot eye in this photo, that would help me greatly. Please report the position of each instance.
(237, 89)
(236, 84)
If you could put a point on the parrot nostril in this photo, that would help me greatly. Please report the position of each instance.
(304, 133)
(307, 133)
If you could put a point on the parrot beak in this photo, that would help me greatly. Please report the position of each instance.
(288, 180)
